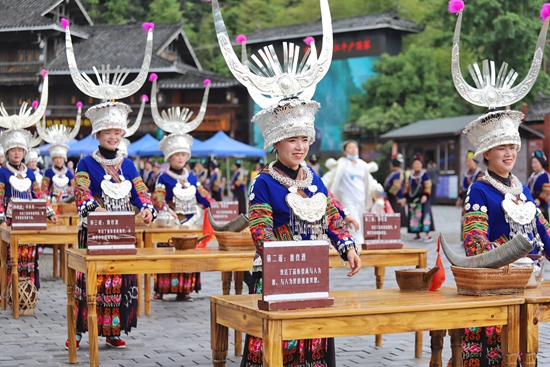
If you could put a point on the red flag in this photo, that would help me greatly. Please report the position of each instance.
(206, 229)
(439, 277)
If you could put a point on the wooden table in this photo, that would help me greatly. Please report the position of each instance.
(147, 260)
(51, 236)
(535, 310)
(380, 311)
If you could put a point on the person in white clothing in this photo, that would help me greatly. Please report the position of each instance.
(351, 183)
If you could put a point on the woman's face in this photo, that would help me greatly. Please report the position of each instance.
(471, 164)
(502, 159)
(292, 151)
(178, 160)
(58, 161)
(15, 155)
(535, 165)
(351, 149)
(110, 138)
(416, 165)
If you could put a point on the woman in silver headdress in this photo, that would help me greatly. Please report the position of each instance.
(497, 207)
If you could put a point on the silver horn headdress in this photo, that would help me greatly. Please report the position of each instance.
(59, 135)
(110, 114)
(177, 122)
(495, 90)
(284, 91)
(15, 135)
(503, 255)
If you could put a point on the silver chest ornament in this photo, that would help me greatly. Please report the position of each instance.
(520, 215)
(20, 185)
(308, 215)
(60, 184)
(184, 198)
(116, 196)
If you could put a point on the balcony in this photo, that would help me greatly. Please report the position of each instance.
(17, 72)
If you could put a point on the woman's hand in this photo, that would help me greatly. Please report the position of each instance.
(537, 201)
(100, 209)
(173, 213)
(53, 219)
(4, 224)
(458, 203)
(423, 199)
(350, 221)
(147, 216)
(354, 262)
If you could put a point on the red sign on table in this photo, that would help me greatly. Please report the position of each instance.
(382, 231)
(295, 275)
(28, 214)
(111, 233)
(224, 211)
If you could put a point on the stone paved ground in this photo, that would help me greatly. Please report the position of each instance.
(178, 334)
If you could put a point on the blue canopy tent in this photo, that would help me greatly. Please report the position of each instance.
(44, 148)
(223, 146)
(147, 142)
(85, 146)
(155, 151)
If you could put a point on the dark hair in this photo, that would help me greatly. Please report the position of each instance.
(395, 162)
(238, 163)
(347, 142)
(313, 159)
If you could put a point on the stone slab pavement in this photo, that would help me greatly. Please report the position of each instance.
(178, 333)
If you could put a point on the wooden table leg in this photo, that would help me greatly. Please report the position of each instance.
(436, 345)
(3, 273)
(226, 282)
(64, 247)
(379, 273)
(419, 336)
(218, 338)
(14, 250)
(71, 313)
(239, 279)
(456, 346)
(510, 337)
(529, 334)
(91, 290)
(139, 244)
(148, 243)
(55, 260)
(272, 337)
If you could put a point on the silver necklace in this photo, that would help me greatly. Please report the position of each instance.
(515, 189)
(533, 178)
(61, 172)
(289, 182)
(107, 162)
(22, 173)
(175, 176)
(416, 177)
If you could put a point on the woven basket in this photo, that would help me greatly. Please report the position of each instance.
(485, 281)
(235, 241)
(67, 208)
(28, 296)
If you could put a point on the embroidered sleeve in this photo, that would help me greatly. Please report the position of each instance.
(159, 196)
(396, 188)
(203, 197)
(476, 224)
(543, 228)
(337, 232)
(260, 214)
(343, 211)
(140, 196)
(46, 182)
(71, 187)
(2, 206)
(545, 192)
(85, 202)
(427, 184)
(37, 194)
(407, 187)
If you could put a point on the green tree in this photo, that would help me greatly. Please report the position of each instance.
(166, 11)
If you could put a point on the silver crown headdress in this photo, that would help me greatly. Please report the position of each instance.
(272, 85)
(493, 90)
(177, 122)
(59, 135)
(15, 135)
(110, 114)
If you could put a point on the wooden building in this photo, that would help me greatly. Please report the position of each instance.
(32, 39)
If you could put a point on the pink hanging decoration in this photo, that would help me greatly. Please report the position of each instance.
(308, 40)
(148, 26)
(65, 23)
(153, 77)
(34, 104)
(455, 6)
(207, 82)
(78, 104)
(44, 72)
(241, 38)
(545, 11)
(144, 98)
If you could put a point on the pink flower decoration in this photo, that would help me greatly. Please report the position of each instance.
(44, 73)
(78, 104)
(455, 6)
(144, 98)
(65, 23)
(153, 77)
(148, 26)
(241, 38)
(545, 11)
(308, 40)
(34, 104)
(207, 82)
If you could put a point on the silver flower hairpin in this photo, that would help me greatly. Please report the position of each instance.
(59, 134)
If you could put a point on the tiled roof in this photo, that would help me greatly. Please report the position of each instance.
(430, 128)
(194, 78)
(365, 22)
(28, 14)
(117, 44)
(538, 109)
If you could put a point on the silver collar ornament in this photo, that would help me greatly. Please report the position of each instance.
(59, 135)
(177, 122)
